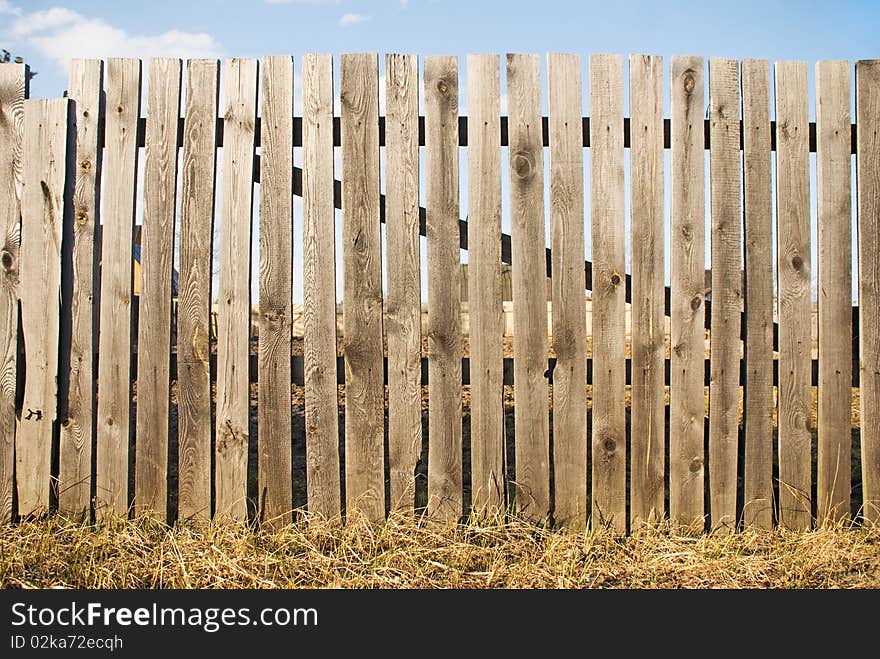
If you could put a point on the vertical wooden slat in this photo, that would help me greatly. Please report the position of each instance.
(868, 168)
(488, 491)
(234, 317)
(276, 257)
(42, 221)
(319, 289)
(404, 305)
(12, 94)
(833, 164)
(793, 272)
(569, 319)
(686, 410)
(758, 487)
(529, 288)
(362, 302)
(194, 284)
(114, 349)
(648, 342)
(607, 216)
(157, 256)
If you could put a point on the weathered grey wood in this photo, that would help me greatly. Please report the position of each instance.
(276, 263)
(833, 164)
(488, 490)
(403, 303)
(362, 301)
(758, 487)
(154, 314)
(529, 288)
(42, 222)
(868, 180)
(647, 489)
(194, 283)
(234, 317)
(569, 319)
(794, 306)
(12, 95)
(727, 294)
(686, 409)
(114, 361)
(607, 216)
(319, 289)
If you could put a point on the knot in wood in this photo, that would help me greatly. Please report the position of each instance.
(797, 263)
(442, 87)
(696, 301)
(86, 114)
(689, 83)
(7, 260)
(695, 465)
(119, 108)
(523, 164)
(615, 279)
(86, 165)
(81, 217)
(609, 444)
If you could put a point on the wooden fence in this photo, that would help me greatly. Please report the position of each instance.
(608, 421)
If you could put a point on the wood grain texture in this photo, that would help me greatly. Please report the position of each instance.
(794, 305)
(403, 304)
(319, 289)
(114, 370)
(833, 165)
(488, 490)
(276, 269)
(607, 215)
(42, 222)
(569, 320)
(12, 95)
(758, 501)
(154, 317)
(647, 460)
(686, 409)
(194, 284)
(362, 310)
(233, 320)
(529, 287)
(868, 180)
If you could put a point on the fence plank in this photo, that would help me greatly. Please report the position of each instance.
(319, 289)
(758, 487)
(488, 491)
(362, 309)
(234, 318)
(686, 410)
(793, 272)
(868, 179)
(114, 370)
(529, 288)
(276, 256)
(42, 222)
(12, 95)
(833, 163)
(648, 433)
(154, 317)
(569, 320)
(194, 301)
(607, 214)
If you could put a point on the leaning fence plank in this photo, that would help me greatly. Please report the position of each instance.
(276, 256)
(194, 301)
(13, 84)
(607, 215)
(647, 460)
(362, 302)
(569, 319)
(319, 289)
(114, 369)
(531, 417)
(154, 317)
(42, 224)
(686, 409)
(758, 410)
(234, 317)
(833, 165)
(793, 272)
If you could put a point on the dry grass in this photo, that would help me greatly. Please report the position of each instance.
(402, 553)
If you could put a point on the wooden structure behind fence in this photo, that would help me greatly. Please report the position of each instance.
(87, 423)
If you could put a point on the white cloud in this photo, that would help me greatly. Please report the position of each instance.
(352, 19)
(40, 21)
(404, 4)
(6, 8)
